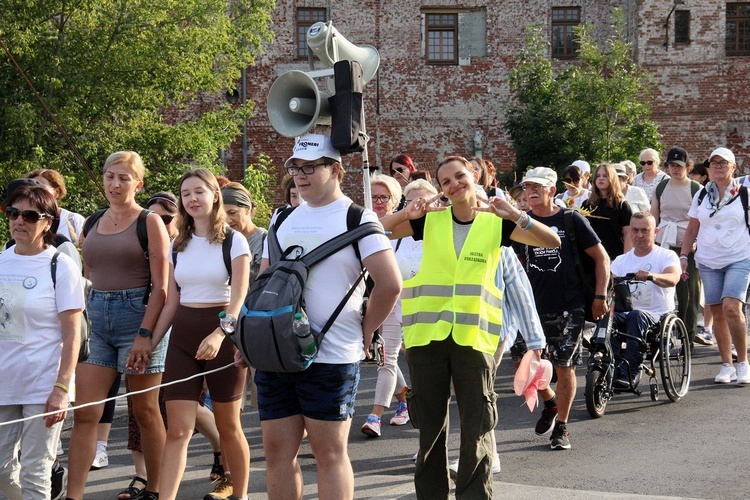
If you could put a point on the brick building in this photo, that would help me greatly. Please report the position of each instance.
(442, 80)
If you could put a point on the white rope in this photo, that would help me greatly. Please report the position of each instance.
(42, 415)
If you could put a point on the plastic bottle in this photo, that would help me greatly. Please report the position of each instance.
(227, 322)
(307, 345)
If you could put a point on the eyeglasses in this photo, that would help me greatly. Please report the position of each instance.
(382, 198)
(167, 219)
(526, 186)
(716, 164)
(29, 216)
(647, 162)
(307, 169)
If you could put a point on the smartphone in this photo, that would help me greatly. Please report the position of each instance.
(418, 175)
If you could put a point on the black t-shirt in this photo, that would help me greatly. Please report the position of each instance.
(417, 225)
(607, 223)
(552, 271)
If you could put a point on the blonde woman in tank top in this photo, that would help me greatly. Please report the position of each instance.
(121, 323)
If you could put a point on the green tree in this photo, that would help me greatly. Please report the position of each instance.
(124, 75)
(597, 108)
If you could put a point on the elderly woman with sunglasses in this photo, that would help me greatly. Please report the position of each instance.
(651, 175)
(40, 323)
(718, 224)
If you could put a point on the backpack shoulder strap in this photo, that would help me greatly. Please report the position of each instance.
(91, 221)
(141, 230)
(694, 188)
(660, 189)
(571, 233)
(353, 219)
(226, 251)
(53, 268)
(744, 201)
(274, 246)
(341, 241)
(701, 196)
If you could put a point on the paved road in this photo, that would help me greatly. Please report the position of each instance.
(697, 448)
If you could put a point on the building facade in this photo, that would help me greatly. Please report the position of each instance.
(442, 83)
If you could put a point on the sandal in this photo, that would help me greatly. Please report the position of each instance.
(217, 470)
(132, 492)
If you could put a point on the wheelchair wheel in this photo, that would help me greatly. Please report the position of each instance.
(675, 357)
(596, 387)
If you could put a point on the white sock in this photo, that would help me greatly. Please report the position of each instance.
(101, 445)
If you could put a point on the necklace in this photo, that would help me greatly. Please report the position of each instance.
(115, 221)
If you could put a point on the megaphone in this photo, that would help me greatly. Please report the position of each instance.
(295, 104)
(331, 47)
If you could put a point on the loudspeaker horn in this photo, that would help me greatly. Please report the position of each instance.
(331, 47)
(295, 104)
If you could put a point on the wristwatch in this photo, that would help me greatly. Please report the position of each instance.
(145, 332)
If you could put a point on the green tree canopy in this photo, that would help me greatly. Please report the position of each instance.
(109, 69)
(598, 108)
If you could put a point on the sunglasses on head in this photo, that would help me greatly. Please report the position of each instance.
(647, 162)
(29, 216)
(167, 219)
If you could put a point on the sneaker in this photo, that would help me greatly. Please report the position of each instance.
(726, 375)
(415, 457)
(453, 466)
(496, 464)
(372, 426)
(743, 373)
(704, 337)
(59, 482)
(223, 489)
(546, 421)
(453, 469)
(101, 459)
(559, 438)
(402, 414)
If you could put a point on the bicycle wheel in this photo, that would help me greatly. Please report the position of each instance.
(595, 393)
(674, 360)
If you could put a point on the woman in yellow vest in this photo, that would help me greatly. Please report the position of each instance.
(451, 318)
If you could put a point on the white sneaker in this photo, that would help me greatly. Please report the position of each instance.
(743, 373)
(496, 464)
(402, 414)
(101, 459)
(726, 375)
(453, 466)
(453, 469)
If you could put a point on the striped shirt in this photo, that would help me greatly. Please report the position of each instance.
(519, 308)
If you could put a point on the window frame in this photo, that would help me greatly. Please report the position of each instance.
(685, 38)
(566, 24)
(742, 23)
(300, 38)
(441, 28)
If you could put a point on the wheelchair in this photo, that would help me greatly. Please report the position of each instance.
(666, 345)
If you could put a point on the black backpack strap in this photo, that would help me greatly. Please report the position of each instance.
(341, 241)
(353, 219)
(660, 189)
(570, 231)
(701, 196)
(274, 246)
(91, 221)
(339, 308)
(141, 230)
(743, 200)
(226, 251)
(53, 268)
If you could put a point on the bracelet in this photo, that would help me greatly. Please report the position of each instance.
(683, 257)
(522, 219)
(63, 387)
(600, 297)
(528, 224)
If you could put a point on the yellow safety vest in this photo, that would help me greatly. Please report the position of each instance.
(455, 295)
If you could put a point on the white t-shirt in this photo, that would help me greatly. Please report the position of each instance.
(577, 201)
(201, 273)
(723, 238)
(30, 331)
(649, 296)
(330, 279)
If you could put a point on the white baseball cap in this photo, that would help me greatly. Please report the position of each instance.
(724, 153)
(543, 176)
(313, 147)
(583, 165)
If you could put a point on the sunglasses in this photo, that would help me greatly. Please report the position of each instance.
(647, 162)
(29, 216)
(569, 180)
(400, 170)
(167, 219)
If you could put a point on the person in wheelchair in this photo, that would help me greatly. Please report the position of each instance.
(658, 270)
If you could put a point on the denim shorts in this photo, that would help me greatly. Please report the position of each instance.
(729, 281)
(116, 317)
(564, 340)
(322, 392)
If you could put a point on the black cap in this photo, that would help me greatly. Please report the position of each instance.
(15, 184)
(677, 155)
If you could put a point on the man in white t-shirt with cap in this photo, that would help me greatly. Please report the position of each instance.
(320, 399)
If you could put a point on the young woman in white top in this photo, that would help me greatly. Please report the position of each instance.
(200, 288)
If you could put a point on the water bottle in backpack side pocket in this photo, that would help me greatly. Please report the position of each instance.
(308, 347)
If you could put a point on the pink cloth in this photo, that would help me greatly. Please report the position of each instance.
(532, 375)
